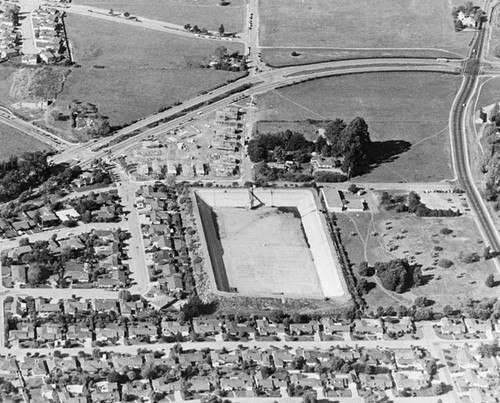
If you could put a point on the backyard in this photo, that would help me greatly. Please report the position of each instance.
(407, 116)
(207, 14)
(146, 72)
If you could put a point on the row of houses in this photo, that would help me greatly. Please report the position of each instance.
(49, 40)
(273, 372)
(458, 328)
(10, 36)
(475, 374)
(167, 255)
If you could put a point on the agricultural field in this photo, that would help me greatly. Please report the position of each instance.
(407, 115)
(206, 14)
(382, 24)
(423, 241)
(15, 143)
(147, 71)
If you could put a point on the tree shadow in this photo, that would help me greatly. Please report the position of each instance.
(384, 151)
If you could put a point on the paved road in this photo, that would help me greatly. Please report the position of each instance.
(263, 83)
(458, 117)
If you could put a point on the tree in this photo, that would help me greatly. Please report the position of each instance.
(490, 281)
(447, 310)
(125, 295)
(24, 241)
(363, 286)
(422, 314)
(352, 188)
(365, 270)
(220, 53)
(221, 29)
(395, 275)
(487, 253)
(36, 274)
(431, 367)
(488, 350)
(421, 302)
(458, 25)
(438, 389)
(310, 396)
(126, 14)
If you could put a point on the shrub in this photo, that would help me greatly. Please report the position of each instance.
(446, 231)
(365, 270)
(445, 263)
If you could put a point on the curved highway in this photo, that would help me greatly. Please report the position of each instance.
(458, 117)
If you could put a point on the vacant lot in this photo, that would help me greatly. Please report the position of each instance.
(269, 246)
(130, 72)
(423, 241)
(489, 93)
(6, 75)
(15, 143)
(206, 14)
(361, 24)
(407, 115)
(281, 57)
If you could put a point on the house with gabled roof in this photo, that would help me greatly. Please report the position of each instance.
(111, 333)
(72, 306)
(172, 328)
(121, 362)
(79, 333)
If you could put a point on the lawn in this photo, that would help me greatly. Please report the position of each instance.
(206, 14)
(130, 72)
(407, 115)
(361, 24)
(15, 143)
(393, 235)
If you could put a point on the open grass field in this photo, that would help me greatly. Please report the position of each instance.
(15, 143)
(493, 45)
(138, 71)
(489, 91)
(282, 57)
(378, 24)
(389, 235)
(6, 75)
(261, 248)
(206, 14)
(407, 115)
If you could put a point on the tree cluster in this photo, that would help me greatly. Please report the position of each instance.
(414, 205)
(397, 275)
(19, 174)
(487, 308)
(350, 141)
